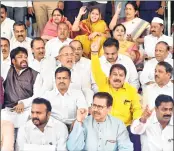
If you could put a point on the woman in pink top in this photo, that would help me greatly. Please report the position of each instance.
(7, 136)
(50, 30)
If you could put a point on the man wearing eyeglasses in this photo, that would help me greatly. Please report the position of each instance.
(99, 131)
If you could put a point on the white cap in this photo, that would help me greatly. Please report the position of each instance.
(157, 20)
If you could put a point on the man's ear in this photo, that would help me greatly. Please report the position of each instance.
(13, 61)
(109, 108)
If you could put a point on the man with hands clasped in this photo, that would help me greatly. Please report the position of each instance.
(99, 131)
(156, 128)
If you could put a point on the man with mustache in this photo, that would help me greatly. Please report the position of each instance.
(20, 87)
(161, 54)
(126, 103)
(20, 38)
(150, 41)
(156, 128)
(5, 57)
(42, 130)
(53, 46)
(79, 79)
(111, 56)
(45, 65)
(64, 99)
(163, 85)
(6, 24)
(99, 131)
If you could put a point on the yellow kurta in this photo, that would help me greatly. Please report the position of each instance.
(126, 101)
(99, 26)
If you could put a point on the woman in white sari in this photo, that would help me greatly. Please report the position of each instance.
(135, 27)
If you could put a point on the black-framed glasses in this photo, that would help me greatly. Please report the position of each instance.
(99, 107)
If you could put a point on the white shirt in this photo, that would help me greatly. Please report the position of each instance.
(17, 3)
(148, 73)
(5, 66)
(46, 68)
(7, 28)
(150, 42)
(53, 46)
(132, 75)
(26, 44)
(152, 91)
(84, 66)
(64, 107)
(55, 133)
(153, 137)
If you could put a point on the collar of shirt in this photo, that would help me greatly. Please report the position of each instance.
(103, 58)
(33, 59)
(58, 93)
(155, 120)
(15, 40)
(59, 41)
(169, 84)
(6, 60)
(49, 124)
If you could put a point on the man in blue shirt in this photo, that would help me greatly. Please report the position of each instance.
(99, 131)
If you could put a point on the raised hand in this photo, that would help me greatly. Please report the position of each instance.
(19, 108)
(83, 10)
(81, 114)
(146, 114)
(118, 10)
(95, 45)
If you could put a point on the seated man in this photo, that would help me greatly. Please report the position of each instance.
(45, 65)
(99, 131)
(161, 54)
(20, 87)
(150, 41)
(7, 136)
(20, 38)
(79, 79)
(53, 46)
(156, 130)
(65, 100)
(111, 57)
(126, 103)
(5, 57)
(42, 130)
(162, 85)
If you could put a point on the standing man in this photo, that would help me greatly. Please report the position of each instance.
(42, 130)
(156, 129)
(21, 86)
(99, 131)
(6, 24)
(126, 104)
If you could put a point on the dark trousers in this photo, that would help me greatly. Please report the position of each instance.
(17, 13)
(135, 139)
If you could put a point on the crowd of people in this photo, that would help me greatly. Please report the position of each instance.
(86, 75)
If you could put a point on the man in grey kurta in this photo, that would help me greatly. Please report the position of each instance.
(99, 131)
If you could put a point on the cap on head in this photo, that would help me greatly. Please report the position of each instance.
(157, 20)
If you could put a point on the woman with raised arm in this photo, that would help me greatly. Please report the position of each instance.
(136, 27)
(90, 29)
(50, 30)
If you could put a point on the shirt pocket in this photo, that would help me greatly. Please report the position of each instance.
(110, 145)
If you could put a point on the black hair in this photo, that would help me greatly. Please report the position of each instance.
(118, 26)
(167, 66)
(36, 39)
(104, 95)
(43, 101)
(3, 38)
(59, 10)
(63, 69)
(118, 66)
(16, 51)
(165, 43)
(77, 41)
(163, 98)
(4, 7)
(19, 23)
(134, 5)
(111, 42)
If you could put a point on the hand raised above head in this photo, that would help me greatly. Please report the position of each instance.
(83, 10)
(95, 45)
